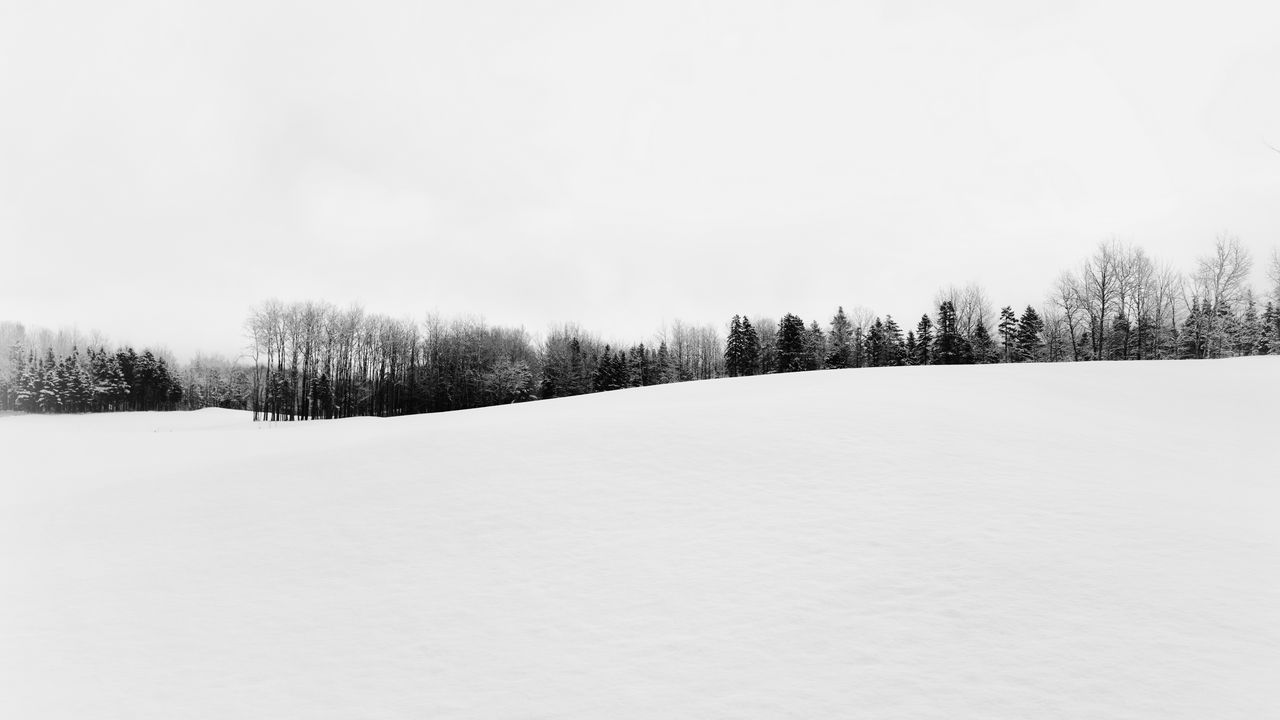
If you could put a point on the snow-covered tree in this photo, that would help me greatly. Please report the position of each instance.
(1029, 330)
(840, 341)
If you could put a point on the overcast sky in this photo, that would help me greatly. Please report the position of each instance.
(166, 165)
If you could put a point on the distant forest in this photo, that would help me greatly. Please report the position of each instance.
(312, 360)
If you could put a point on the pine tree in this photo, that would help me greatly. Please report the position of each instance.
(840, 354)
(47, 399)
(750, 348)
(1148, 342)
(894, 352)
(875, 352)
(663, 370)
(733, 348)
(638, 372)
(1269, 336)
(1187, 345)
(110, 389)
(1118, 343)
(1008, 331)
(618, 370)
(950, 347)
(27, 388)
(912, 351)
(983, 349)
(790, 344)
(924, 341)
(1030, 327)
(13, 380)
(1222, 331)
(63, 384)
(604, 375)
(815, 347)
(1249, 330)
(79, 386)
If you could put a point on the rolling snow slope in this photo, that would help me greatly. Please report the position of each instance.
(1051, 541)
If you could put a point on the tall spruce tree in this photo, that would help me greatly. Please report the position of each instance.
(750, 348)
(663, 370)
(603, 379)
(815, 347)
(875, 352)
(733, 350)
(950, 347)
(1249, 329)
(1008, 329)
(47, 399)
(840, 341)
(790, 344)
(1117, 345)
(1269, 338)
(983, 348)
(912, 351)
(1191, 338)
(27, 392)
(924, 341)
(1029, 342)
(895, 353)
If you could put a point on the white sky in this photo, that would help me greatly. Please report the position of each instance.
(165, 166)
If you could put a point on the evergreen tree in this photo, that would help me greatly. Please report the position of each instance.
(1249, 331)
(924, 341)
(663, 369)
(983, 348)
(1148, 342)
(1222, 330)
(876, 352)
(1269, 336)
(110, 389)
(64, 380)
(78, 386)
(912, 351)
(13, 378)
(47, 399)
(750, 348)
(894, 352)
(950, 347)
(859, 347)
(815, 347)
(790, 344)
(639, 371)
(1029, 330)
(27, 391)
(840, 353)
(733, 350)
(1008, 331)
(621, 372)
(605, 375)
(1194, 333)
(1118, 343)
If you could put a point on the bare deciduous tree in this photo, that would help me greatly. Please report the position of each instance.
(1219, 280)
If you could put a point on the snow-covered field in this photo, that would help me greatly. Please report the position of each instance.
(1052, 541)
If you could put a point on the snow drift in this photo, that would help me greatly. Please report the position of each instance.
(1051, 541)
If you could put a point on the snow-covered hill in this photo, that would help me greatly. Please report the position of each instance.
(1052, 541)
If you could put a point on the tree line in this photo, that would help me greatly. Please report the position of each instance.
(98, 381)
(1118, 305)
(314, 360)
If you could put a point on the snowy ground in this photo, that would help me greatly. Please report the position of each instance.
(1056, 541)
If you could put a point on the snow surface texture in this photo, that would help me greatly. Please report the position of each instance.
(1050, 541)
